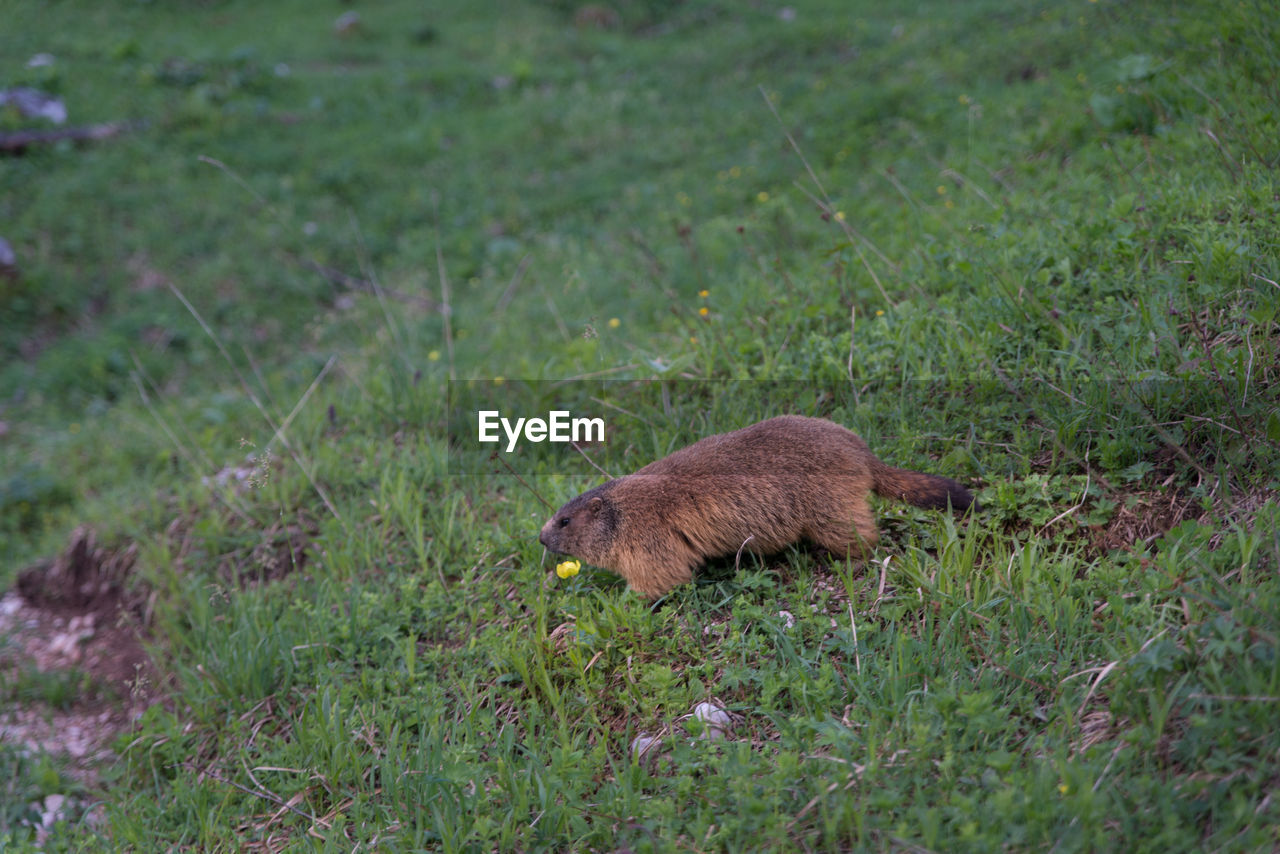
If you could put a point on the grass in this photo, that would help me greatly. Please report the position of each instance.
(1035, 250)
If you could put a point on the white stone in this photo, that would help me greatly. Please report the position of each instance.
(643, 745)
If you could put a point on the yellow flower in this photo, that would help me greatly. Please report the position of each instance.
(964, 99)
(704, 293)
(614, 323)
(499, 380)
(762, 196)
(433, 356)
(735, 172)
(568, 568)
(879, 312)
(840, 216)
(1063, 789)
(704, 311)
(942, 191)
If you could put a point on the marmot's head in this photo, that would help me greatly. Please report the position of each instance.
(584, 527)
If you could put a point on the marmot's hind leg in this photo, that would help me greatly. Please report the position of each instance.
(850, 534)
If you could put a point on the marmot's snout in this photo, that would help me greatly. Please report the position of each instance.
(550, 538)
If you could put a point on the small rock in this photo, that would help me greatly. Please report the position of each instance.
(63, 645)
(74, 741)
(83, 625)
(347, 23)
(643, 745)
(33, 103)
(8, 258)
(716, 721)
(52, 810)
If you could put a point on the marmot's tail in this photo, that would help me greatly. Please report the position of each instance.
(923, 490)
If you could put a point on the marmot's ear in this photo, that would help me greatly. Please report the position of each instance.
(596, 503)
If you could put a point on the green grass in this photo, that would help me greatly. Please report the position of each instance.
(1034, 249)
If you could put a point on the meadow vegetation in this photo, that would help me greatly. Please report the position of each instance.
(1033, 247)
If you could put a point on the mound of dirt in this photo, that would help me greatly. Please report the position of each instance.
(76, 624)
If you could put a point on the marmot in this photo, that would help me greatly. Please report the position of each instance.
(760, 488)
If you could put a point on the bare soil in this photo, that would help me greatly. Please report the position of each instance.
(74, 621)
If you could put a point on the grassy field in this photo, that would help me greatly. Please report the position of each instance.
(1034, 247)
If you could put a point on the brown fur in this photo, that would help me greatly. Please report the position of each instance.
(760, 488)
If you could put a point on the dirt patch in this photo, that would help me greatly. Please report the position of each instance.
(74, 671)
(1143, 516)
(79, 613)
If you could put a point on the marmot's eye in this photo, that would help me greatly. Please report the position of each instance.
(564, 521)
